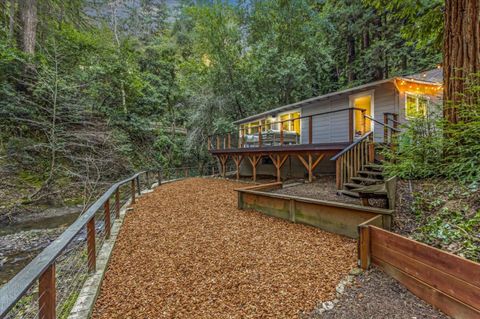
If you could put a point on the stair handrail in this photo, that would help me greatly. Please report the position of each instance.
(383, 124)
(349, 147)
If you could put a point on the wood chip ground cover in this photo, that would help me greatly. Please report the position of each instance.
(186, 251)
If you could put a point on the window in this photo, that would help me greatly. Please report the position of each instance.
(294, 125)
(416, 105)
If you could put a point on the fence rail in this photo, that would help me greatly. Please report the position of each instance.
(48, 286)
(353, 158)
(266, 135)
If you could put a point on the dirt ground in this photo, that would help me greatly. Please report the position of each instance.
(323, 188)
(375, 295)
(186, 251)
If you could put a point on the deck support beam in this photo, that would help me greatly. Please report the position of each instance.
(278, 161)
(309, 164)
(254, 159)
(238, 160)
(223, 162)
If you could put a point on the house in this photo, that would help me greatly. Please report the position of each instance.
(333, 133)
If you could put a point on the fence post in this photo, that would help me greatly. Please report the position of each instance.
(209, 141)
(139, 190)
(260, 136)
(106, 209)
(385, 129)
(117, 203)
(338, 172)
(371, 149)
(47, 292)
(229, 140)
(310, 129)
(147, 176)
(92, 262)
(159, 177)
(364, 246)
(350, 125)
(133, 191)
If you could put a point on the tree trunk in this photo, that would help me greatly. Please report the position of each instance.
(11, 26)
(28, 13)
(461, 51)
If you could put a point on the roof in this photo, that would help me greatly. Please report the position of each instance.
(434, 76)
(428, 77)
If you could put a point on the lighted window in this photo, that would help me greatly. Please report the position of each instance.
(416, 105)
(291, 122)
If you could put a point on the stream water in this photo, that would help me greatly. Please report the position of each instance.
(20, 242)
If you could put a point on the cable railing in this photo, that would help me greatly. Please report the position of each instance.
(284, 132)
(50, 284)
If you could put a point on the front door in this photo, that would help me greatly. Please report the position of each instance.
(362, 125)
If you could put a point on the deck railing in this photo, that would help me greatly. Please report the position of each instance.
(265, 135)
(49, 285)
(352, 159)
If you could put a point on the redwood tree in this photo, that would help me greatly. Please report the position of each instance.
(461, 50)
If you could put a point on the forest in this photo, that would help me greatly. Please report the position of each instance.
(94, 89)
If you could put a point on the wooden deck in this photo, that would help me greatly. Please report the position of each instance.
(310, 155)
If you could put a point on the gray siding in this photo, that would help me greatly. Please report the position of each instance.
(330, 128)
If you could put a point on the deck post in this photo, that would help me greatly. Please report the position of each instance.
(218, 142)
(350, 125)
(209, 143)
(117, 203)
(254, 161)
(385, 129)
(260, 136)
(310, 129)
(281, 133)
(91, 245)
(364, 121)
(229, 139)
(106, 210)
(47, 293)
(371, 149)
(338, 172)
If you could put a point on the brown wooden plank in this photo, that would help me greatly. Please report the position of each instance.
(438, 299)
(440, 280)
(364, 246)
(92, 263)
(47, 293)
(303, 161)
(317, 161)
(462, 268)
(108, 225)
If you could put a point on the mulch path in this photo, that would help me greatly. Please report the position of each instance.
(375, 295)
(186, 251)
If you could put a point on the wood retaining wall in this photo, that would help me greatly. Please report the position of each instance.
(334, 217)
(446, 281)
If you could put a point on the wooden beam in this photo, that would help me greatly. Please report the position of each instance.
(254, 159)
(317, 161)
(47, 293)
(238, 160)
(310, 129)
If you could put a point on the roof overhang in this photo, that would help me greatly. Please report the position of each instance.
(310, 101)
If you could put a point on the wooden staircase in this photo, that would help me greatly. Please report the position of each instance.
(370, 174)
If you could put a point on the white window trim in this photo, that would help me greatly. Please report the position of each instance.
(416, 95)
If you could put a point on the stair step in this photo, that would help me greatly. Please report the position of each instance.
(378, 175)
(373, 167)
(353, 185)
(366, 180)
(350, 194)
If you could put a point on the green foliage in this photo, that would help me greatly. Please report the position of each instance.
(449, 218)
(432, 147)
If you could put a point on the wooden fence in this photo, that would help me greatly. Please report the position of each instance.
(446, 281)
(339, 218)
